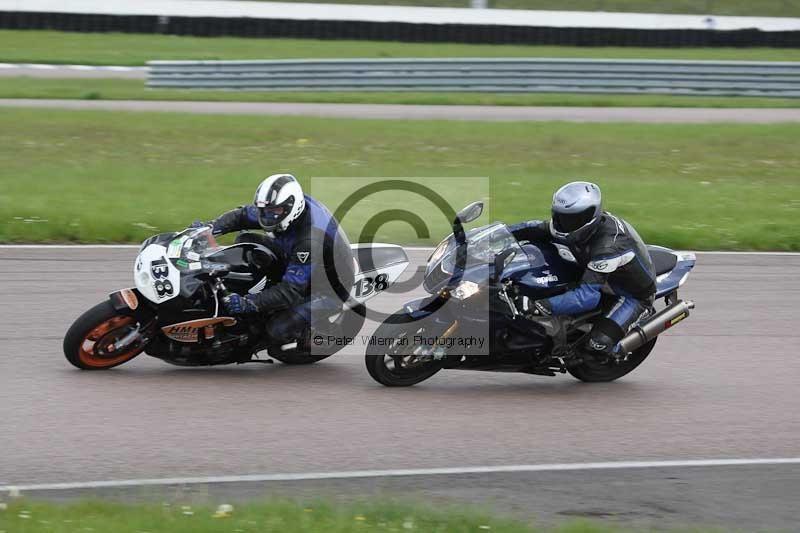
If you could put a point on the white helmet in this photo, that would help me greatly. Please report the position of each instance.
(280, 201)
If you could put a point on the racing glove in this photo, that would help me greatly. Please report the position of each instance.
(235, 304)
(197, 224)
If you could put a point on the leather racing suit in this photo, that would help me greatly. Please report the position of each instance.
(305, 291)
(615, 262)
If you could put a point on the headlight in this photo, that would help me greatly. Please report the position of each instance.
(464, 290)
(439, 251)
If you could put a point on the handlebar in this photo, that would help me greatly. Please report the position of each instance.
(217, 270)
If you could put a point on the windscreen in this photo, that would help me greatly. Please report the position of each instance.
(191, 245)
(483, 244)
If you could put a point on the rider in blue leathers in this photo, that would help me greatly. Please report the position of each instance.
(308, 239)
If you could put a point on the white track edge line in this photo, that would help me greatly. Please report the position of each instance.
(410, 248)
(68, 246)
(556, 467)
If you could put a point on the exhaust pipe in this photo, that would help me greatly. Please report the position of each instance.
(655, 326)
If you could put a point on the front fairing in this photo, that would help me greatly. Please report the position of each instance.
(549, 275)
(169, 263)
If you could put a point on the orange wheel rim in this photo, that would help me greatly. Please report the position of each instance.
(96, 349)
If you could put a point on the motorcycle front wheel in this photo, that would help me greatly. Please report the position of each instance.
(90, 342)
(390, 359)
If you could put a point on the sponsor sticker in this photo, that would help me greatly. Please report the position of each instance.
(677, 319)
(174, 249)
(189, 331)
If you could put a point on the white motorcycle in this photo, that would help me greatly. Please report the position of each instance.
(174, 312)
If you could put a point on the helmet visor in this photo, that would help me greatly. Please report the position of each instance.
(269, 216)
(569, 222)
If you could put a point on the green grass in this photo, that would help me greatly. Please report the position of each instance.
(136, 49)
(279, 517)
(764, 8)
(122, 89)
(272, 516)
(94, 176)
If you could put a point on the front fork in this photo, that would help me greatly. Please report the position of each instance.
(131, 303)
(502, 293)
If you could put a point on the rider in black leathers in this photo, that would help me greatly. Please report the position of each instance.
(614, 258)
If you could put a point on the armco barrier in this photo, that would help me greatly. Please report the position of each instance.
(739, 78)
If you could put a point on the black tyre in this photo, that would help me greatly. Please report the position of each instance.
(350, 325)
(88, 343)
(592, 371)
(393, 364)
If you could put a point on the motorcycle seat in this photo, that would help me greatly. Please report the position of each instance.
(663, 260)
(376, 257)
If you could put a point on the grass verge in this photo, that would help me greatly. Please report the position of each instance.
(95, 176)
(276, 516)
(122, 89)
(28, 46)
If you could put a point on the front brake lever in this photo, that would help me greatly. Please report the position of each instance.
(220, 291)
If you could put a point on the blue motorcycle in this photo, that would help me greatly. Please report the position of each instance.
(470, 320)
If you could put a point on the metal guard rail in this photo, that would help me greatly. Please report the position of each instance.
(731, 78)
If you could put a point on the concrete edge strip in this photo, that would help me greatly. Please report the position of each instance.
(356, 474)
(410, 248)
(52, 66)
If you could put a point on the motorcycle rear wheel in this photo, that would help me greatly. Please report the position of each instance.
(351, 323)
(591, 371)
(87, 342)
(393, 366)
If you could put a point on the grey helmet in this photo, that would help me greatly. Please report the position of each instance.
(577, 208)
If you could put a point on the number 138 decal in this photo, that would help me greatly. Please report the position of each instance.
(367, 285)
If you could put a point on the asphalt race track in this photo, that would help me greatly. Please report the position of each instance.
(654, 115)
(722, 385)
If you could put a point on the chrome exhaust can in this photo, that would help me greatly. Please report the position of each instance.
(655, 325)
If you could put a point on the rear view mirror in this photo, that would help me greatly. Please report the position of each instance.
(471, 212)
(501, 261)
